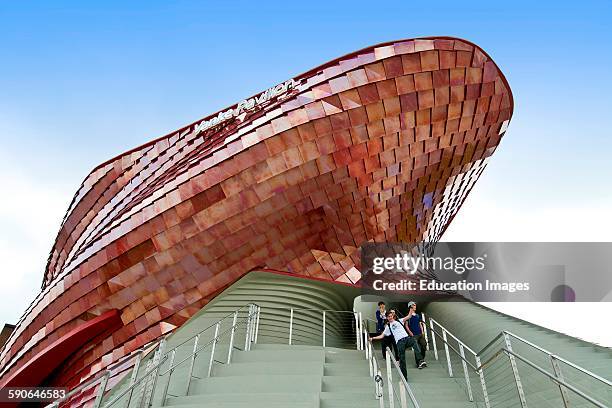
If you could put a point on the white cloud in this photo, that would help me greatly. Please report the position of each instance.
(486, 219)
(30, 215)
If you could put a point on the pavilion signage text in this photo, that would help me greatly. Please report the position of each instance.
(246, 105)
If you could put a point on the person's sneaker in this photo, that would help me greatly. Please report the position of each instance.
(422, 364)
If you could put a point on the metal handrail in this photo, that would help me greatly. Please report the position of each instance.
(468, 348)
(137, 354)
(465, 363)
(310, 310)
(203, 330)
(373, 363)
(403, 380)
(489, 344)
(573, 365)
(171, 353)
(543, 350)
(78, 389)
(478, 368)
(215, 339)
(146, 375)
(557, 380)
(473, 367)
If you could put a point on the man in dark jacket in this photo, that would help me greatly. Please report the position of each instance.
(415, 327)
(381, 322)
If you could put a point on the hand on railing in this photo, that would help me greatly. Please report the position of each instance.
(375, 373)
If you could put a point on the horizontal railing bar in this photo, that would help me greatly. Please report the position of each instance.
(491, 359)
(144, 376)
(453, 336)
(311, 310)
(209, 327)
(165, 357)
(81, 387)
(525, 360)
(490, 343)
(208, 344)
(555, 379)
(575, 366)
(455, 350)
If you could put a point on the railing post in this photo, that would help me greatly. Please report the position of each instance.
(559, 375)
(290, 326)
(466, 373)
(389, 378)
(485, 394)
(361, 343)
(212, 351)
(231, 344)
(380, 392)
(192, 362)
(402, 391)
(253, 325)
(425, 331)
(170, 371)
(448, 360)
(370, 361)
(357, 335)
(433, 338)
(101, 389)
(376, 385)
(247, 329)
(365, 341)
(324, 328)
(358, 330)
(134, 377)
(150, 391)
(257, 325)
(144, 385)
(517, 379)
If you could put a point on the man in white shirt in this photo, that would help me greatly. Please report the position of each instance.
(403, 341)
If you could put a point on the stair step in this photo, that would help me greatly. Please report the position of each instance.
(288, 368)
(348, 399)
(262, 355)
(351, 370)
(278, 397)
(267, 383)
(255, 403)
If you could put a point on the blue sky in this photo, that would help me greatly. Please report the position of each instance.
(82, 82)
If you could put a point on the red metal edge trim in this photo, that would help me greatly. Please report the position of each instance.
(40, 366)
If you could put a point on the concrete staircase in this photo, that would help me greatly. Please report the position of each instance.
(274, 375)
